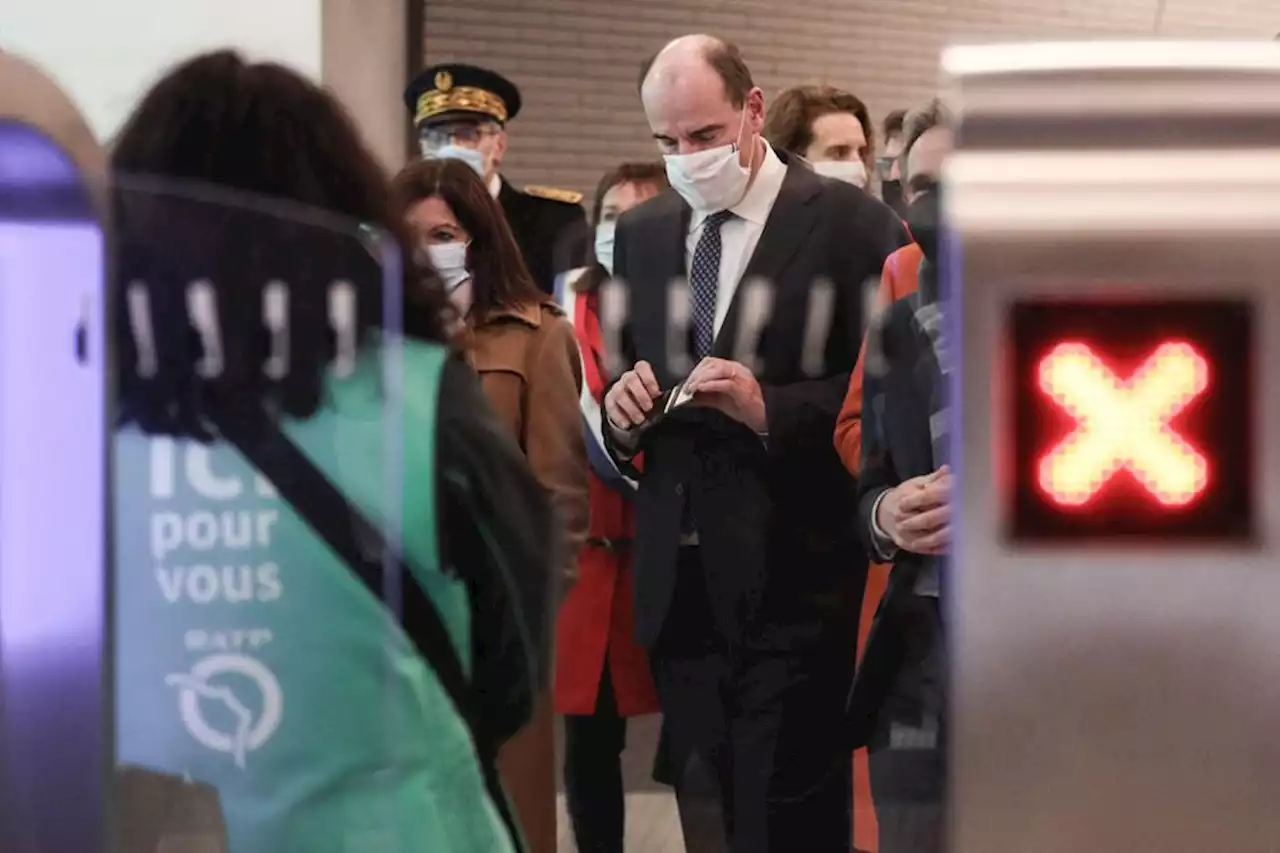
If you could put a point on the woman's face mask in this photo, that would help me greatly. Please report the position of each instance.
(850, 171)
(713, 179)
(605, 232)
(450, 262)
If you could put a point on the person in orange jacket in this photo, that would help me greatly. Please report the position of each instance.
(602, 674)
(899, 278)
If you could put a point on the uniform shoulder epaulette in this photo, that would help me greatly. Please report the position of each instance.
(566, 196)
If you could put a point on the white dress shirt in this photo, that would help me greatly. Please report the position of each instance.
(881, 543)
(741, 233)
(738, 239)
(495, 185)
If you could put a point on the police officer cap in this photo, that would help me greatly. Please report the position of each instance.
(454, 91)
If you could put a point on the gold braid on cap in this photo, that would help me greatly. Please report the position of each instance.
(460, 99)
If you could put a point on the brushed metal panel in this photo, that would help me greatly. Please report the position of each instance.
(1111, 697)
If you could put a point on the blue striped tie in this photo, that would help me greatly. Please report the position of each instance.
(704, 279)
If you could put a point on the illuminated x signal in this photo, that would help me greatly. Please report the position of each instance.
(1124, 424)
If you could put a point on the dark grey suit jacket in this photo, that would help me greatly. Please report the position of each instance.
(896, 446)
(776, 519)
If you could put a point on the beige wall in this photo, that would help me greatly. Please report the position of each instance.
(576, 60)
(105, 62)
(105, 59)
(363, 62)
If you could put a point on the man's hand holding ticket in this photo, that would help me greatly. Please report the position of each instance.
(636, 402)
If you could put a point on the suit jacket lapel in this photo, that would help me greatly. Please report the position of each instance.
(906, 418)
(670, 264)
(511, 201)
(676, 238)
(790, 222)
(506, 192)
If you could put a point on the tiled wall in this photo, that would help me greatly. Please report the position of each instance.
(576, 60)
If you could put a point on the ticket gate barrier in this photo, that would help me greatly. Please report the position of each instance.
(55, 718)
(155, 686)
(1114, 217)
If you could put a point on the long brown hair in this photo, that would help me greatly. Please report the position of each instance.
(651, 173)
(499, 277)
(276, 176)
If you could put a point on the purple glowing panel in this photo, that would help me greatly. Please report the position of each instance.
(52, 438)
(54, 745)
(28, 160)
(37, 181)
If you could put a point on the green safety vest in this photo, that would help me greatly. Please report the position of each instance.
(251, 659)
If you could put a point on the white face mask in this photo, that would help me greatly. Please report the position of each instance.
(470, 156)
(850, 171)
(450, 261)
(711, 180)
(604, 244)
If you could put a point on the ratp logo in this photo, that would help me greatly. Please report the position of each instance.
(247, 734)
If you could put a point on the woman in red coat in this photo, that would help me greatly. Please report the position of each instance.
(602, 675)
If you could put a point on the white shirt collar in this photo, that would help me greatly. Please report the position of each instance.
(761, 194)
(495, 185)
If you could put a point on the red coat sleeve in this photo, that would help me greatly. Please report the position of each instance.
(898, 278)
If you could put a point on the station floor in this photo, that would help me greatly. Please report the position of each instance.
(653, 825)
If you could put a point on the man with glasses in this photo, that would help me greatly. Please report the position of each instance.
(887, 165)
(462, 111)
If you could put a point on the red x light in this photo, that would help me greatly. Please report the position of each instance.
(1131, 420)
(1124, 423)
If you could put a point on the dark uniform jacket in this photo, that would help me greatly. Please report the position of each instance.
(550, 228)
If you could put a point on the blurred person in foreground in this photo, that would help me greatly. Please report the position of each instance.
(526, 354)
(462, 111)
(256, 653)
(602, 673)
(828, 127)
(747, 570)
(892, 436)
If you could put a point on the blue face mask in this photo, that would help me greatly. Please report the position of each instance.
(470, 156)
(450, 262)
(604, 244)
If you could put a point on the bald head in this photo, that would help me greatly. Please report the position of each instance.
(698, 93)
(695, 56)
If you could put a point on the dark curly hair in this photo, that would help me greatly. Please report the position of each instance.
(242, 174)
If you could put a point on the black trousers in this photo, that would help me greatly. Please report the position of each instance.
(593, 773)
(907, 785)
(908, 761)
(764, 727)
